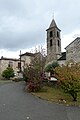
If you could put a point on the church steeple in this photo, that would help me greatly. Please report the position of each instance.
(53, 24)
(53, 42)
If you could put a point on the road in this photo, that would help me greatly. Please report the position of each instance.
(17, 104)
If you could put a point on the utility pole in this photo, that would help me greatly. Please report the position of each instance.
(20, 60)
(20, 70)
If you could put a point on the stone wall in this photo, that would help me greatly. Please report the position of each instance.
(73, 51)
(27, 59)
(4, 64)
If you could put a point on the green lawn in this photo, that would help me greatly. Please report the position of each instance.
(57, 95)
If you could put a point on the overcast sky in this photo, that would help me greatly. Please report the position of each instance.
(23, 23)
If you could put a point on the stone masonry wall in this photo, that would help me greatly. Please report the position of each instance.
(73, 51)
(4, 65)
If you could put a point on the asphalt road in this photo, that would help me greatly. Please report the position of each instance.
(16, 104)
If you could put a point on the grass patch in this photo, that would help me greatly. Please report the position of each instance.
(56, 95)
(5, 81)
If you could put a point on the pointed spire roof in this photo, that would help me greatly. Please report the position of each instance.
(53, 24)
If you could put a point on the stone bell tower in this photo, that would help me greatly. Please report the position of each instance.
(53, 42)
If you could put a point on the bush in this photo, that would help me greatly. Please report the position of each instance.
(50, 67)
(34, 72)
(33, 87)
(69, 78)
(8, 73)
(25, 77)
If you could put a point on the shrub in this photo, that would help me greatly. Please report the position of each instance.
(25, 77)
(50, 67)
(8, 73)
(34, 72)
(33, 87)
(69, 78)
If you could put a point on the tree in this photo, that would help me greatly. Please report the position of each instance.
(50, 67)
(69, 79)
(8, 73)
(34, 72)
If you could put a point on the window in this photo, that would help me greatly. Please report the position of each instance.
(51, 34)
(19, 65)
(10, 64)
(50, 42)
(58, 34)
(58, 43)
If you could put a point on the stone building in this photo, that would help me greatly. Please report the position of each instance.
(27, 57)
(53, 42)
(73, 51)
(62, 59)
(10, 62)
(16, 63)
(54, 53)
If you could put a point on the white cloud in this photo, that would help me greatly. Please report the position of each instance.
(23, 23)
(67, 39)
(9, 54)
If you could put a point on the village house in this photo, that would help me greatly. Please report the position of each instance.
(73, 51)
(27, 57)
(10, 62)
